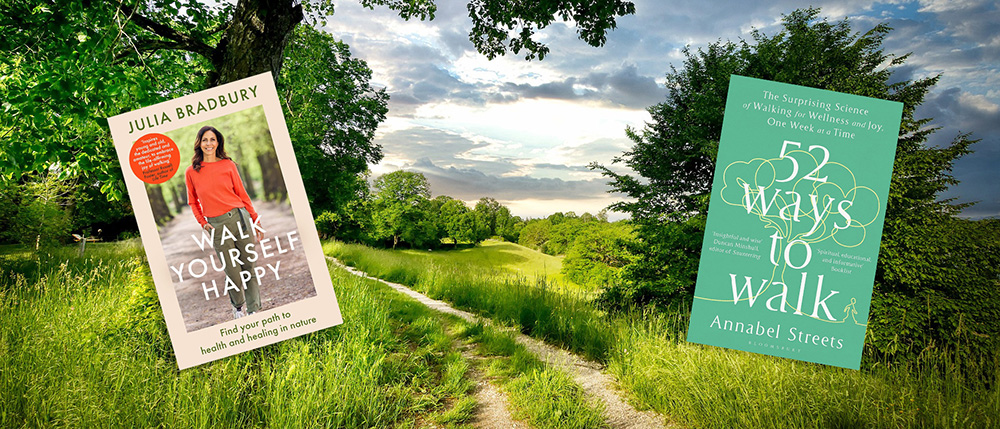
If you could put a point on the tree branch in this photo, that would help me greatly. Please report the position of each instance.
(180, 40)
(147, 45)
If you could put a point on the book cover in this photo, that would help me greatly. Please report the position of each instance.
(795, 222)
(225, 221)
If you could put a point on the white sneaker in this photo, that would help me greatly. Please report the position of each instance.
(238, 313)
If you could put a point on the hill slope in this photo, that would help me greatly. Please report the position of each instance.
(502, 255)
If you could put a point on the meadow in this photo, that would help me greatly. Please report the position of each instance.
(501, 256)
(702, 386)
(83, 343)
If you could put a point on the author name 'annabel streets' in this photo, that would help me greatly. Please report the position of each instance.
(225, 221)
(795, 222)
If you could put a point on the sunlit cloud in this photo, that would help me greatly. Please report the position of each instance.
(475, 125)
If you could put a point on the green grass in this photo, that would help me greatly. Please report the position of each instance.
(563, 318)
(714, 387)
(542, 396)
(503, 256)
(707, 386)
(83, 343)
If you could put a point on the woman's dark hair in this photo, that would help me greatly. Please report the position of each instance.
(220, 150)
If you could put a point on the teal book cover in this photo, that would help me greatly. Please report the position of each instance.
(795, 222)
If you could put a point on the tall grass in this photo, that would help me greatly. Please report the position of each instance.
(543, 396)
(566, 319)
(708, 386)
(82, 343)
(714, 387)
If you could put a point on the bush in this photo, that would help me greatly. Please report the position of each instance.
(327, 224)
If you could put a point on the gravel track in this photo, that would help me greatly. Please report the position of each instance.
(597, 385)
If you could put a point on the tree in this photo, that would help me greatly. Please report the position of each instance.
(499, 25)
(62, 73)
(450, 212)
(564, 230)
(508, 226)
(43, 211)
(597, 254)
(332, 114)
(472, 227)
(353, 225)
(488, 210)
(535, 234)
(400, 208)
(497, 218)
(68, 62)
(675, 157)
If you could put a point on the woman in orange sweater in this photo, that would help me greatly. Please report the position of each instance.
(220, 203)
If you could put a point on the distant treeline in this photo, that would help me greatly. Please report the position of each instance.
(398, 212)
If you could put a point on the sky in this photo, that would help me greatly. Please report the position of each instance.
(523, 132)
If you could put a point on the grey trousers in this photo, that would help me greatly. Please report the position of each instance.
(238, 222)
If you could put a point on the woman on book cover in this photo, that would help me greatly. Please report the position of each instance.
(220, 202)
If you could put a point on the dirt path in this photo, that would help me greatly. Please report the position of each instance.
(295, 282)
(597, 385)
(493, 410)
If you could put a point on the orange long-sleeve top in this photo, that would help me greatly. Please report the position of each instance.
(215, 190)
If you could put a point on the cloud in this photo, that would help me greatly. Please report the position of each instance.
(471, 184)
(623, 87)
(560, 167)
(627, 87)
(903, 73)
(947, 5)
(405, 145)
(435, 146)
(552, 90)
(955, 39)
(509, 119)
(957, 111)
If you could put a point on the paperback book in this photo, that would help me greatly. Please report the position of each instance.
(795, 222)
(225, 221)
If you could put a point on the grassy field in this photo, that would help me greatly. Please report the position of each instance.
(563, 317)
(700, 385)
(503, 256)
(83, 343)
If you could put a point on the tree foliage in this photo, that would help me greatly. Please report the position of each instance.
(457, 222)
(496, 219)
(499, 26)
(400, 204)
(675, 155)
(597, 253)
(63, 71)
(554, 234)
(332, 114)
(37, 212)
(535, 234)
(401, 212)
(67, 63)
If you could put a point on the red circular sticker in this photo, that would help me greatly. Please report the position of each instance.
(154, 158)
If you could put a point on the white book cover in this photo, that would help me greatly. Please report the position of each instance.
(225, 221)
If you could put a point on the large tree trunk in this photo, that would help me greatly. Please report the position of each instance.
(255, 40)
(179, 202)
(247, 180)
(161, 212)
(273, 183)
